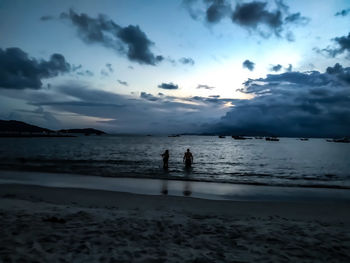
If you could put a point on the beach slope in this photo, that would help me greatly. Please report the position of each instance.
(48, 224)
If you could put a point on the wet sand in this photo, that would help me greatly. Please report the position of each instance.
(51, 224)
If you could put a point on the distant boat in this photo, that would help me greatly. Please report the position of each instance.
(343, 140)
(304, 139)
(176, 135)
(272, 139)
(221, 136)
(259, 137)
(238, 137)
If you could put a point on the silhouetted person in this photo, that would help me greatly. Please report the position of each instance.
(165, 156)
(188, 158)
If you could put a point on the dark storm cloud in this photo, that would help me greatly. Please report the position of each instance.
(343, 12)
(130, 40)
(248, 64)
(124, 83)
(293, 104)
(276, 68)
(217, 10)
(298, 79)
(342, 45)
(168, 86)
(254, 16)
(254, 13)
(200, 86)
(187, 61)
(19, 71)
(342, 74)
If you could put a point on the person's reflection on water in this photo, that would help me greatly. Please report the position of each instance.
(164, 190)
(188, 160)
(165, 157)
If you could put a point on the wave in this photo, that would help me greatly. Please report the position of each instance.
(146, 169)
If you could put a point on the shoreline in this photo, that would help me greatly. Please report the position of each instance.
(198, 189)
(53, 224)
(124, 200)
(161, 176)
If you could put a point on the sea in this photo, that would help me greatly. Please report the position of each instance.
(287, 162)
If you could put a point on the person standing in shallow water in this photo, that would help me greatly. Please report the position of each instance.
(188, 158)
(165, 156)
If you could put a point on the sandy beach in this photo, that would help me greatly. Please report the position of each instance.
(51, 224)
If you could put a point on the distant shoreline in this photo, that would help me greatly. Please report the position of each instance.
(35, 136)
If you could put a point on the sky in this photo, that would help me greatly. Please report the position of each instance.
(188, 66)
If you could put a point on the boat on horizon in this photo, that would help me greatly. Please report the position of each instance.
(174, 135)
(238, 137)
(272, 139)
(343, 140)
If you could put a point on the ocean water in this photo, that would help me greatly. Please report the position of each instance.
(288, 162)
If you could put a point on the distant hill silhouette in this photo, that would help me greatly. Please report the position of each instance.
(19, 126)
(86, 131)
(14, 128)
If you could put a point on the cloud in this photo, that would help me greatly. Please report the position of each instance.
(104, 73)
(276, 68)
(145, 113)
(217, 10)
(76, 67)
(122, 82)
(200, 86)
(110, 67)
(342, 45)
(19, 71)
(297, 18)
(248, 64)
(148, 96)
(343, 12)
(311, 104)
(342, 74)
(254, 13)
(130, 40)
(46, 18)
(85, 73)
(193, 11)
(187, 61)
(168, 86)
(253, 16)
